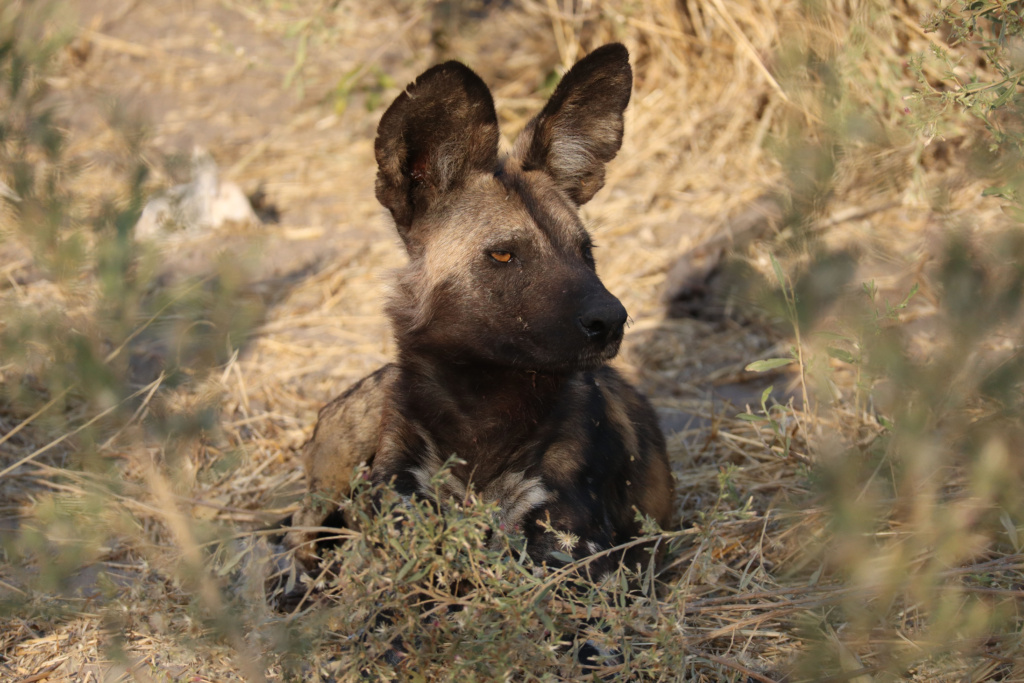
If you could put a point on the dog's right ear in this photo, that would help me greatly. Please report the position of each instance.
(431, 138)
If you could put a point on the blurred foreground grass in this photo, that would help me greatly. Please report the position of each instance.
(862, 522)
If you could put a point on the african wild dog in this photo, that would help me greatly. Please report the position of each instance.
(503, 328)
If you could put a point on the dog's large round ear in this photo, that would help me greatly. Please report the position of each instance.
(431, 138)
(580, 128)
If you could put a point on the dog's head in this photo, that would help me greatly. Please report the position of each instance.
(501, 268)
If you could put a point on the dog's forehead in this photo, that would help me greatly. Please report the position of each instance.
(520, 206)
(549, 209)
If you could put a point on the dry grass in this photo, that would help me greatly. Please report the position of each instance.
(772, 575)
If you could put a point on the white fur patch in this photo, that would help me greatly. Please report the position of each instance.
(447, 487)
(516, 494)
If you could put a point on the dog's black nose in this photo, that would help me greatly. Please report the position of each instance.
(604, 321)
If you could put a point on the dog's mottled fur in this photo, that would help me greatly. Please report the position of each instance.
(503, 327)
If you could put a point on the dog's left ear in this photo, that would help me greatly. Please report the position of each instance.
(580, 128)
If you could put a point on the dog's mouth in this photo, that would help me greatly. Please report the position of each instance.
(594, 357)
(612, 349)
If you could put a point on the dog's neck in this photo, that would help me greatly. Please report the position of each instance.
(475, 408)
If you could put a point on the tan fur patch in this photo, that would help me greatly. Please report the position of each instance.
(619, 417)
(562, 462)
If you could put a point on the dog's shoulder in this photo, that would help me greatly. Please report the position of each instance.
(347, 432)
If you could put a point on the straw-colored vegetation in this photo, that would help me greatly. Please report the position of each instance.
(830, 187)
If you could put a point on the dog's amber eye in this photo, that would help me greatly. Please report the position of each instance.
(501, 256)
